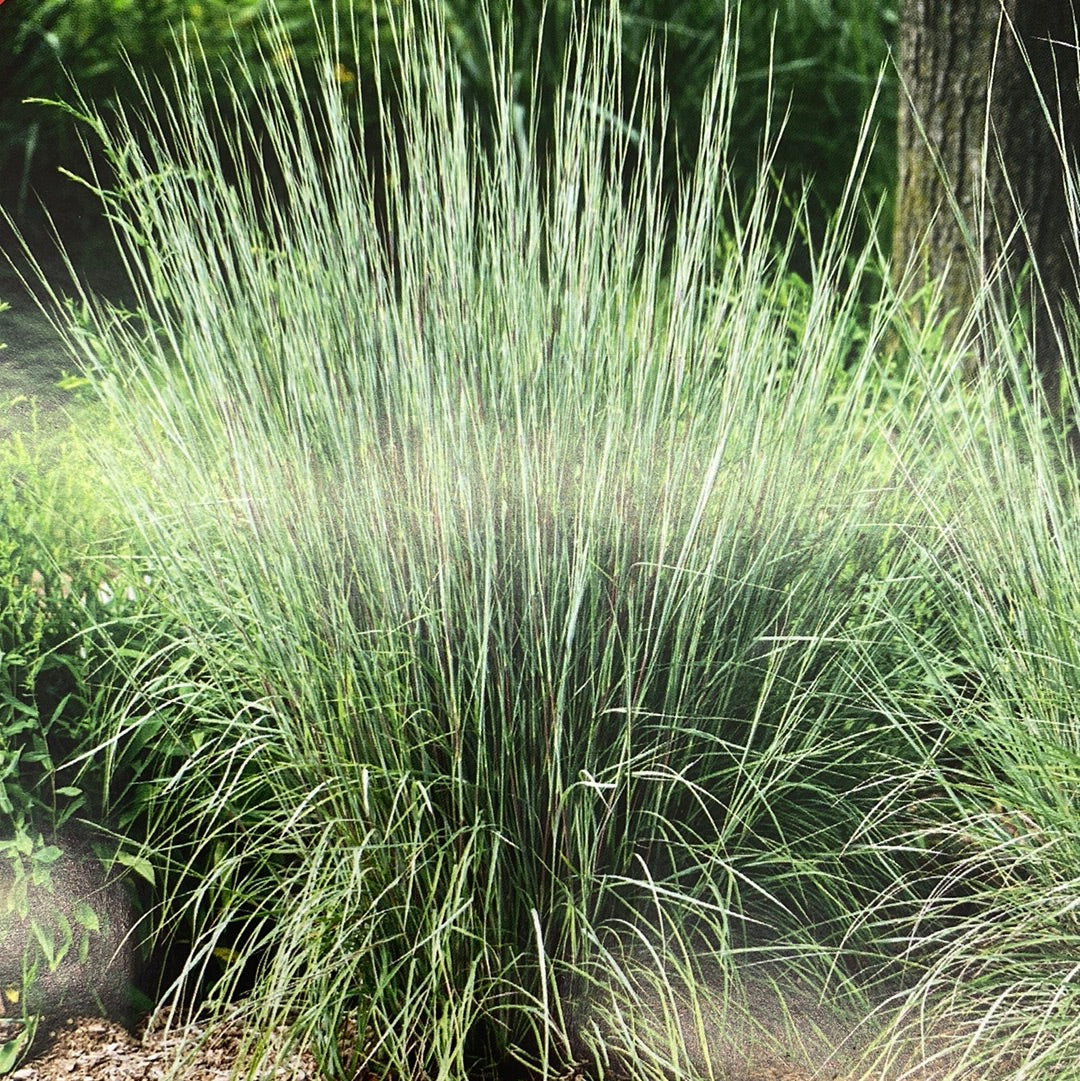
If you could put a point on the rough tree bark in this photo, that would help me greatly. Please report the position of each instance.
(973, 72)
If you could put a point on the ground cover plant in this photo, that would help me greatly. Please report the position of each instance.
(69, 613)
(588, 646)
(68, 602)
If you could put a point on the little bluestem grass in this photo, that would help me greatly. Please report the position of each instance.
(573, 609)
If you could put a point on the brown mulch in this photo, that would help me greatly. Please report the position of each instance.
(89, 1049)
(98, 1050)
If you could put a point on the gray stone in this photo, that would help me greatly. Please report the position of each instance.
(66, 936)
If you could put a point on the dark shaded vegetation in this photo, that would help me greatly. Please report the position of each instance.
(814, 64)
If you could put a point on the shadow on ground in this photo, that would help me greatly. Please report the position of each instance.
(34, 359)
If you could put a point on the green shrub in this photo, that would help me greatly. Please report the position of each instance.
(69, 597)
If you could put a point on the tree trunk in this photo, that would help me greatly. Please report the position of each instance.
(978, 77)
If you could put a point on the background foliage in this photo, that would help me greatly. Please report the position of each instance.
(819, 60)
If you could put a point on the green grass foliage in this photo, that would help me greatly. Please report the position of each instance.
(568, 608)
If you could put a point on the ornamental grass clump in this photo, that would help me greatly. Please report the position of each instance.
(559, 671)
